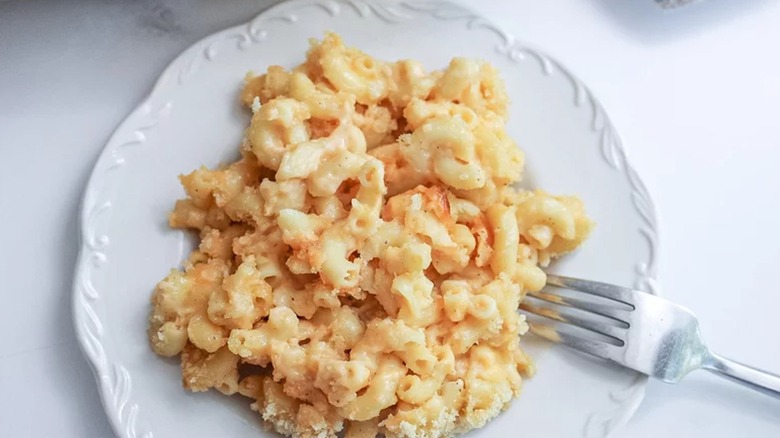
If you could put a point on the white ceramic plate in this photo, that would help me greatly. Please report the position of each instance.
(192, 117)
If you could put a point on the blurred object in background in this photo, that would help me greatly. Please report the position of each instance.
(668, 4)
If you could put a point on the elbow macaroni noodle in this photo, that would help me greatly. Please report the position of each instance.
(361, 265)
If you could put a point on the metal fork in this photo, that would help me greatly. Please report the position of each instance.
(635, 329)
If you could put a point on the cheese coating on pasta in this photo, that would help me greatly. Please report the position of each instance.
(361, 265)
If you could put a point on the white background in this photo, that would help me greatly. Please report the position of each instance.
(694, 93)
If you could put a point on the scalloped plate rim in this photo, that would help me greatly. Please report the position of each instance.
(146, 104)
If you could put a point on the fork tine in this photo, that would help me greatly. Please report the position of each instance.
(617, 315)
(610, 291)
(594, 348)
(610, 331)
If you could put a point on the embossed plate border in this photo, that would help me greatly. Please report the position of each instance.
(113, 378)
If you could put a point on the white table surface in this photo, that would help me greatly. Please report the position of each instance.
(694, 93)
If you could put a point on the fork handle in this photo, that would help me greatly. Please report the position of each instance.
(761, 381)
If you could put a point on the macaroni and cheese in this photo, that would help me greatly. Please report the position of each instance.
(361, 265)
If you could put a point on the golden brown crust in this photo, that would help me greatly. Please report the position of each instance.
(361, 265)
